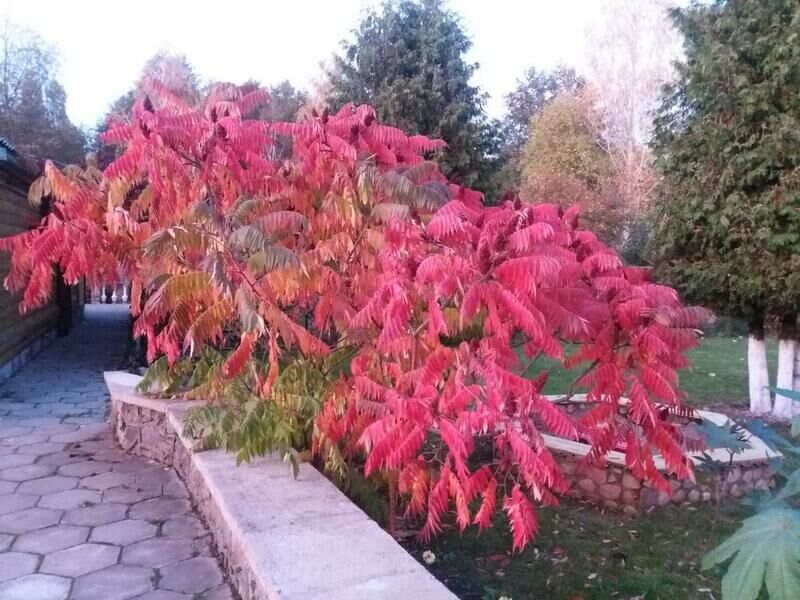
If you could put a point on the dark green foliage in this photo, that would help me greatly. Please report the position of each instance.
(727, 220)
(408, 61)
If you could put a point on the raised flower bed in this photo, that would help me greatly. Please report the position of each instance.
(718, 472)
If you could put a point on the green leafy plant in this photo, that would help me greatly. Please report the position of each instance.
(765, 551)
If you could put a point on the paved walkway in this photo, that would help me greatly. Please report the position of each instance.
(79, 518)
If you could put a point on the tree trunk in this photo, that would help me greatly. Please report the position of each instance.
(757, 369)
(784, 408)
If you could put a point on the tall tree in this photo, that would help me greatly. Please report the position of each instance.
(632, 48)
(562, 162)
(728, 145)
(32, 103)
(531, 94)
(408, 59)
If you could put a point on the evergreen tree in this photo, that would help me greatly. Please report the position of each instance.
(408, 61)
(727, 222)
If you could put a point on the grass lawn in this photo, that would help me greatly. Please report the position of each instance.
(583, 553)
(718, 373)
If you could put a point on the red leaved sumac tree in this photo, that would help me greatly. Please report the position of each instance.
(350, 300)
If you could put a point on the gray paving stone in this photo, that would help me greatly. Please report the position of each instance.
(30, 519)
(8, 461)
(183, 526)
(84, 434)
(68, 499)
(79, 560)
(176, 489)
(132, 465)
(16, 564)
(119, 582)
(14, 502)
(29, 438)
(99, 514)
(5, 541)
(47, 485)
(35, 587)
(84, 468)
(6, 487)
(154, 475)
(51, 539)
(59, 459)
(163, 595)
(105, 481)
(159, 509)
(112, 456)
(40, 449)
(191, 576)
(27, 472)
(222, 592)
(12, 431)
(124, 532)
(157, 552)
(130, 495)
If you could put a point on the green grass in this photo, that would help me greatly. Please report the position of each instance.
(718, 373)
(584, 553)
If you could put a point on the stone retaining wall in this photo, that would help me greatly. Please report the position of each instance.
(615, 488)
(278, 538)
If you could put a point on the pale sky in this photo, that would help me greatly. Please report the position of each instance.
(104, 44)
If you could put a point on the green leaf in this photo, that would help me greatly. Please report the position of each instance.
(766, 549)
(729, 436)
(768, 435)
(790, 394)
(791, 487)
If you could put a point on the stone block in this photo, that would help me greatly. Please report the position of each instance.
(124, 532)
(598, 475)
(40, 587)
(68, 499)
(51, 539)
(610, 491)
(79, 560)
(29, 519)
(118, 582)
(158, 552)
(630, 482)
(191, 576)
(16, 564)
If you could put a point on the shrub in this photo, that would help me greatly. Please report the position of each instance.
(351, 301)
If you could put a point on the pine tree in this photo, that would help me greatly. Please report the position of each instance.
(409, 61)
(727, 224)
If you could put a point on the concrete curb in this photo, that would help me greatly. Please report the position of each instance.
(279, 538)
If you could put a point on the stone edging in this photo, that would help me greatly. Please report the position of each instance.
(278, 538)
(758, 452)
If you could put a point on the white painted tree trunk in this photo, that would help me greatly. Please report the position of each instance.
(796, 382)
(784, 408)
(758, 375)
